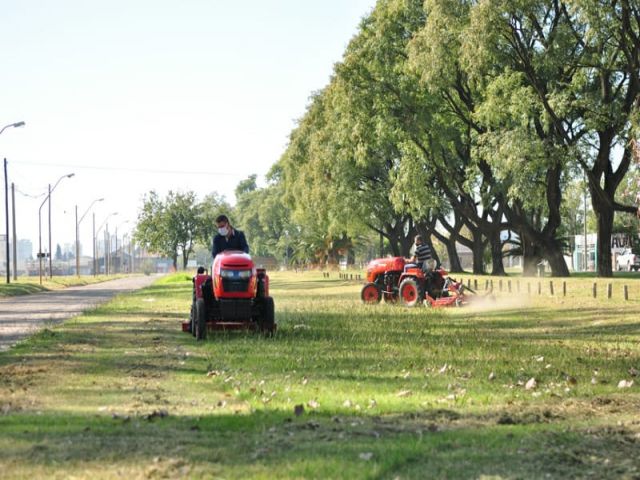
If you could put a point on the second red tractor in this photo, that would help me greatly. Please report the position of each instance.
(394, 280)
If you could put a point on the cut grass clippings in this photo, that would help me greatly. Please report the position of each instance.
(344, 390)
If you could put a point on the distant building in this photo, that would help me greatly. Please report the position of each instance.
(24, 250)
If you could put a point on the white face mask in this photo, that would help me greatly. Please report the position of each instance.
(223, 231)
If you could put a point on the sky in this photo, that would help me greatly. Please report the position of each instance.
(138, 95)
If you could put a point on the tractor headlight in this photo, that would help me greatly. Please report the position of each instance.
(238, 274)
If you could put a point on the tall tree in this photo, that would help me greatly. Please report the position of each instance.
(170, 226)
(579, 61)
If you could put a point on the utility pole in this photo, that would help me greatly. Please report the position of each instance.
(6, 208)
(50, 251)
(15, 237)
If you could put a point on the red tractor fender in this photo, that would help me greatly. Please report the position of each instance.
(198, 281)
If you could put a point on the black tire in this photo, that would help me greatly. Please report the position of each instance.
(267, 319)
(410, 293)
(192, 319)
(371, 293)
(201, 319)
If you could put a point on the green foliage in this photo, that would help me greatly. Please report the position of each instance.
(172, 226)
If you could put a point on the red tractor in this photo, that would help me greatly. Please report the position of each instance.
(393, 279)
(234, 297)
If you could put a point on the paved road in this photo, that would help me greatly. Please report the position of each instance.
(24, 315)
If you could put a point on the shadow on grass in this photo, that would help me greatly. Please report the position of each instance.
(435, 444)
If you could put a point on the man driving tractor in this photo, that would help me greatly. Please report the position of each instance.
(228, 238)
(422, 256)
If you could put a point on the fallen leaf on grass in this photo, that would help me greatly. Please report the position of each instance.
(213, 373)
(444, 368)
(625, 383)
(531, 384)
(347, 404)
(404, 393)
(313, 404)
(492, 376)
(366, 456)
(373, 403)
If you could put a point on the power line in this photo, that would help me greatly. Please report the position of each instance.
(135, 170)
(28, 194)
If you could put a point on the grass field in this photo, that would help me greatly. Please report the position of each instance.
(342, 391)
(28, 285)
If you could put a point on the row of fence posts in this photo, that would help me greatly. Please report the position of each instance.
(489, 285)
(594, 289)
(345, 276)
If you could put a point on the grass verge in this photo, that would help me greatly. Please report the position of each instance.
(28, 285)
(342, 391)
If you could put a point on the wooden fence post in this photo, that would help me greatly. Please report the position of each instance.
(539, 288)
(609, 290)
(551, 286)
(626, 292)
(595, 290)
(509, 285)
(564, 288)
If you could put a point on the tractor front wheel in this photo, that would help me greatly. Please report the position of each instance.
(371, 293)
(410, 292)
(201, 319)
(267, 321)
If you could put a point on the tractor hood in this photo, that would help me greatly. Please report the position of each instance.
(234, 259)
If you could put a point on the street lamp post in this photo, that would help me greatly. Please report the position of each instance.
(40, 254)
(6, 198)
(78, 232)
(95, 233)
(115, 268)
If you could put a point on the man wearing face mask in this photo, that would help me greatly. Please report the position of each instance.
(228, 238)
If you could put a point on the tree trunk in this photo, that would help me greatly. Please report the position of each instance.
(530, 256)
(497, 264)
(478, 254)
(455, 265)
(555, 257)
(603, 250)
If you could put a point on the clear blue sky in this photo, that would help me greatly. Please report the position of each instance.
(138, 95)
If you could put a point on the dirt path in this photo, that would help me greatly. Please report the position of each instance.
(24, 315)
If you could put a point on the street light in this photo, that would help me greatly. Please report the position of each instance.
(48, 197)
(15, 125)
(116, 249)
(78, 232)
(6, 197)
(95, 232)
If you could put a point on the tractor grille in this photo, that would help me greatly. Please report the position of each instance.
(235, 284)
(232, 309)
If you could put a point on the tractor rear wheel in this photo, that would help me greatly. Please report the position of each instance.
(410, 293)
(267, 320)
(371, 293)
(201, 319)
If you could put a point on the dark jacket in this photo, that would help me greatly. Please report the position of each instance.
(237, 241)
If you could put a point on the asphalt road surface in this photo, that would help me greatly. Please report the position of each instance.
(24, 315)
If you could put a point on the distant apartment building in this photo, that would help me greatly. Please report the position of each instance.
(24, 250)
